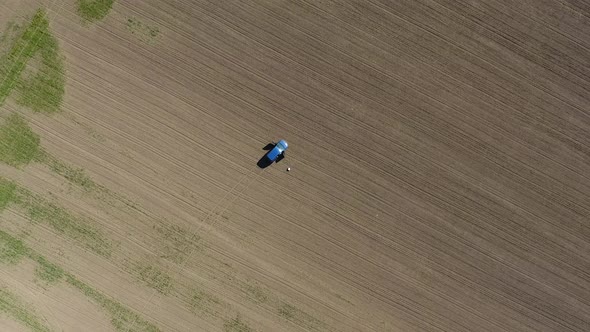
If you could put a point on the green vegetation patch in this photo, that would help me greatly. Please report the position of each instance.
(23, 49)
(236, 325)
(155, 278)
(12, 250)
(47, 271)
(202, 301)
(256, 293)
(43, 89)
(299, 317)
(12, 306)
(122, 318)
(7, 193)
(79, 229)
(94, 10)
(78, 176)
(143, 31)
(19, 145)
(179, 243)
(75, 175)
(40, 210)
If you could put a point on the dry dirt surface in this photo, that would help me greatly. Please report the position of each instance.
(439, 155)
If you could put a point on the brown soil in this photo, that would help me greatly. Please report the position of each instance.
(439, 155)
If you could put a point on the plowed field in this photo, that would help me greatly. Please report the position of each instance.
(439, 154)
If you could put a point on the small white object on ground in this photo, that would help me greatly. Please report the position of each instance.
(288, 169)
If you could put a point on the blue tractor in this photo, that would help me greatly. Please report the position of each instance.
(277, 153)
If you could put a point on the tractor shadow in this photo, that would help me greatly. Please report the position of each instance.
(264, 162)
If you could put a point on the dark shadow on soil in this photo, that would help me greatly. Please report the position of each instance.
(264, 162)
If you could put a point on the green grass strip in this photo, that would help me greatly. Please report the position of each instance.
(74, 175)
(46, 270)
(21, 52)
(41, 211)
(122, 318)
(256, 293)
(155, 278)
(94, 10)
(299, 317)
(19, 145)
(7, 193)
(236, 325)
(12, 250)
(76, 228)
(12, 306)
(202, 301)
(43, 89)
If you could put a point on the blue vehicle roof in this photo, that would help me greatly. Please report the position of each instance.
(279, 148)
(282, 144)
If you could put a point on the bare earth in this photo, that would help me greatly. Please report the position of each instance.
(439, 154)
